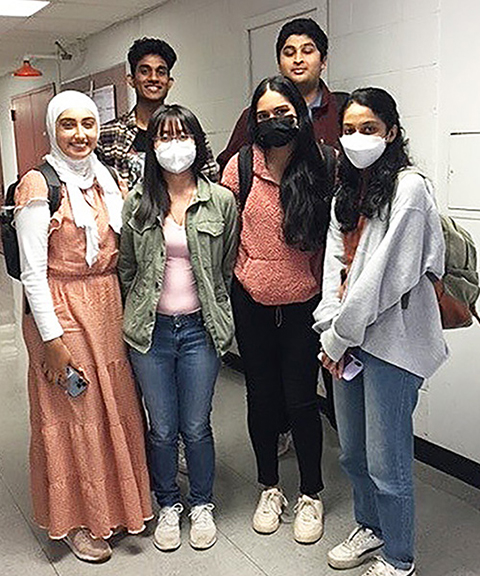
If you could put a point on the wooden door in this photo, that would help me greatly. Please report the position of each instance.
(28, 115)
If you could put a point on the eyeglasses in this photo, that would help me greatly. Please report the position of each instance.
(166, 137)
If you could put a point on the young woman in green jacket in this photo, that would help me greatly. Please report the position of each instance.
(177, 252)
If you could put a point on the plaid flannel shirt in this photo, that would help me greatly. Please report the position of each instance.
(115, 143)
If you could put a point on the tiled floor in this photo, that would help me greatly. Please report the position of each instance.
(448, 538)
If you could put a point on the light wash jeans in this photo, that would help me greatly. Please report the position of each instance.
(374, 416)
(177, 378)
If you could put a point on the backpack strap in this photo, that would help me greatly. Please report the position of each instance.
(245, 173)
(53, 183)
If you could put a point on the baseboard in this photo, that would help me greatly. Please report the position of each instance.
(440, 458)
(447, 461)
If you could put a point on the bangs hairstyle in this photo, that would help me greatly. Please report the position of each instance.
(362, 192)
(155, 200)
(305, 193)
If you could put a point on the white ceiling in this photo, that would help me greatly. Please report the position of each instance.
(63, 20)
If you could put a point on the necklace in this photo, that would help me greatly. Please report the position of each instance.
(179, 207)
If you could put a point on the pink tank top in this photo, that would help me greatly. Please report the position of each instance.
(179, 292)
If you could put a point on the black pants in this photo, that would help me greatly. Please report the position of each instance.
(279, 352)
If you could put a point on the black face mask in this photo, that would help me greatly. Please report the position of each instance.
(276, 132)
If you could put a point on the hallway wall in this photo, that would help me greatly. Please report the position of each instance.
(425, 53)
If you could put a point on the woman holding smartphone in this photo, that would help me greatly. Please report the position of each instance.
(177, 251)
(87, 461)
(379, 305)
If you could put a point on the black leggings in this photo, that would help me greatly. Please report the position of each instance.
(279, 351)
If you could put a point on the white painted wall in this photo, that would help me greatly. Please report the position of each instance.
(424, 51)
(211, 74)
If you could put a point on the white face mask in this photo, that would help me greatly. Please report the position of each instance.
(176, 156)
(363, 149)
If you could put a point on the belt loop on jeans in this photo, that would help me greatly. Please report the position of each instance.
(278, 316)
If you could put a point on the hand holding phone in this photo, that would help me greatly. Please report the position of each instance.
(352, 367)
(75, 383)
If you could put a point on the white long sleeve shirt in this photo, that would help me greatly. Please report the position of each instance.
(32, 223)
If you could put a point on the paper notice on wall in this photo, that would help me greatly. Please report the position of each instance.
(104, 98)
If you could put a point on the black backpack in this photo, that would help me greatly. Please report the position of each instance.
(245, 169)
(9, 234)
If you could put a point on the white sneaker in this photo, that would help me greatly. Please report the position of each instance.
(167, 532)
(266, 518)
(285, 443)
(308, 524)
(360, 545)
(203, 532)
(182, 460)
(383, 568)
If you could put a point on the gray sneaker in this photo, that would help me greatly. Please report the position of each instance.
(360, 545)
(203, 532)
(167, 532)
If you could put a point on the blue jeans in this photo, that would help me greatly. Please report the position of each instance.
(374, 416)
(177, 378)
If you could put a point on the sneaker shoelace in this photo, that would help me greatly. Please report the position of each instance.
(359, 538)
(306, 509)
(171, 515)
(202, 515)
(272, 501)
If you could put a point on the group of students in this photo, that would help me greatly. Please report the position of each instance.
(317, 242)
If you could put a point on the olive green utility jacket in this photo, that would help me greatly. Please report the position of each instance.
(212, 235)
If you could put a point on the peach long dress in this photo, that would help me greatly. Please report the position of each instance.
(87, 455)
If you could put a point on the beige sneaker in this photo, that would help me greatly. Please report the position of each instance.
(167, 532)
(266, 519)
(86, 547)
(203, 532)
(308, 524)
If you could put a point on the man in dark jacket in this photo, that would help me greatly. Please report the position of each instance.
(301, 48)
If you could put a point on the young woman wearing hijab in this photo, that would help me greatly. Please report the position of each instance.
(384, 244)
(276, 287)
(87, 462)
(177, 250)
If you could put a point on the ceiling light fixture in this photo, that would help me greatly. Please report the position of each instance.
(26, 70)
(21, 8)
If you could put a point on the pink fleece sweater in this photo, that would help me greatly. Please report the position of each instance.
(272, 272)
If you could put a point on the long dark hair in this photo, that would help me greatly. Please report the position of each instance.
(304, 190)
(367, 192)
(155, 200)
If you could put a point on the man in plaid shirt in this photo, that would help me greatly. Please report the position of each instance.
(122, 142)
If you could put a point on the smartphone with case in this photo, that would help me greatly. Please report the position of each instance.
(75, 383)
(352, 367)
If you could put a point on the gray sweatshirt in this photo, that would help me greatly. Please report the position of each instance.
(392, 258)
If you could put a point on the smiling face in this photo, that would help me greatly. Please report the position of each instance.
(151, 80)
(76, 132)
(301, 61)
